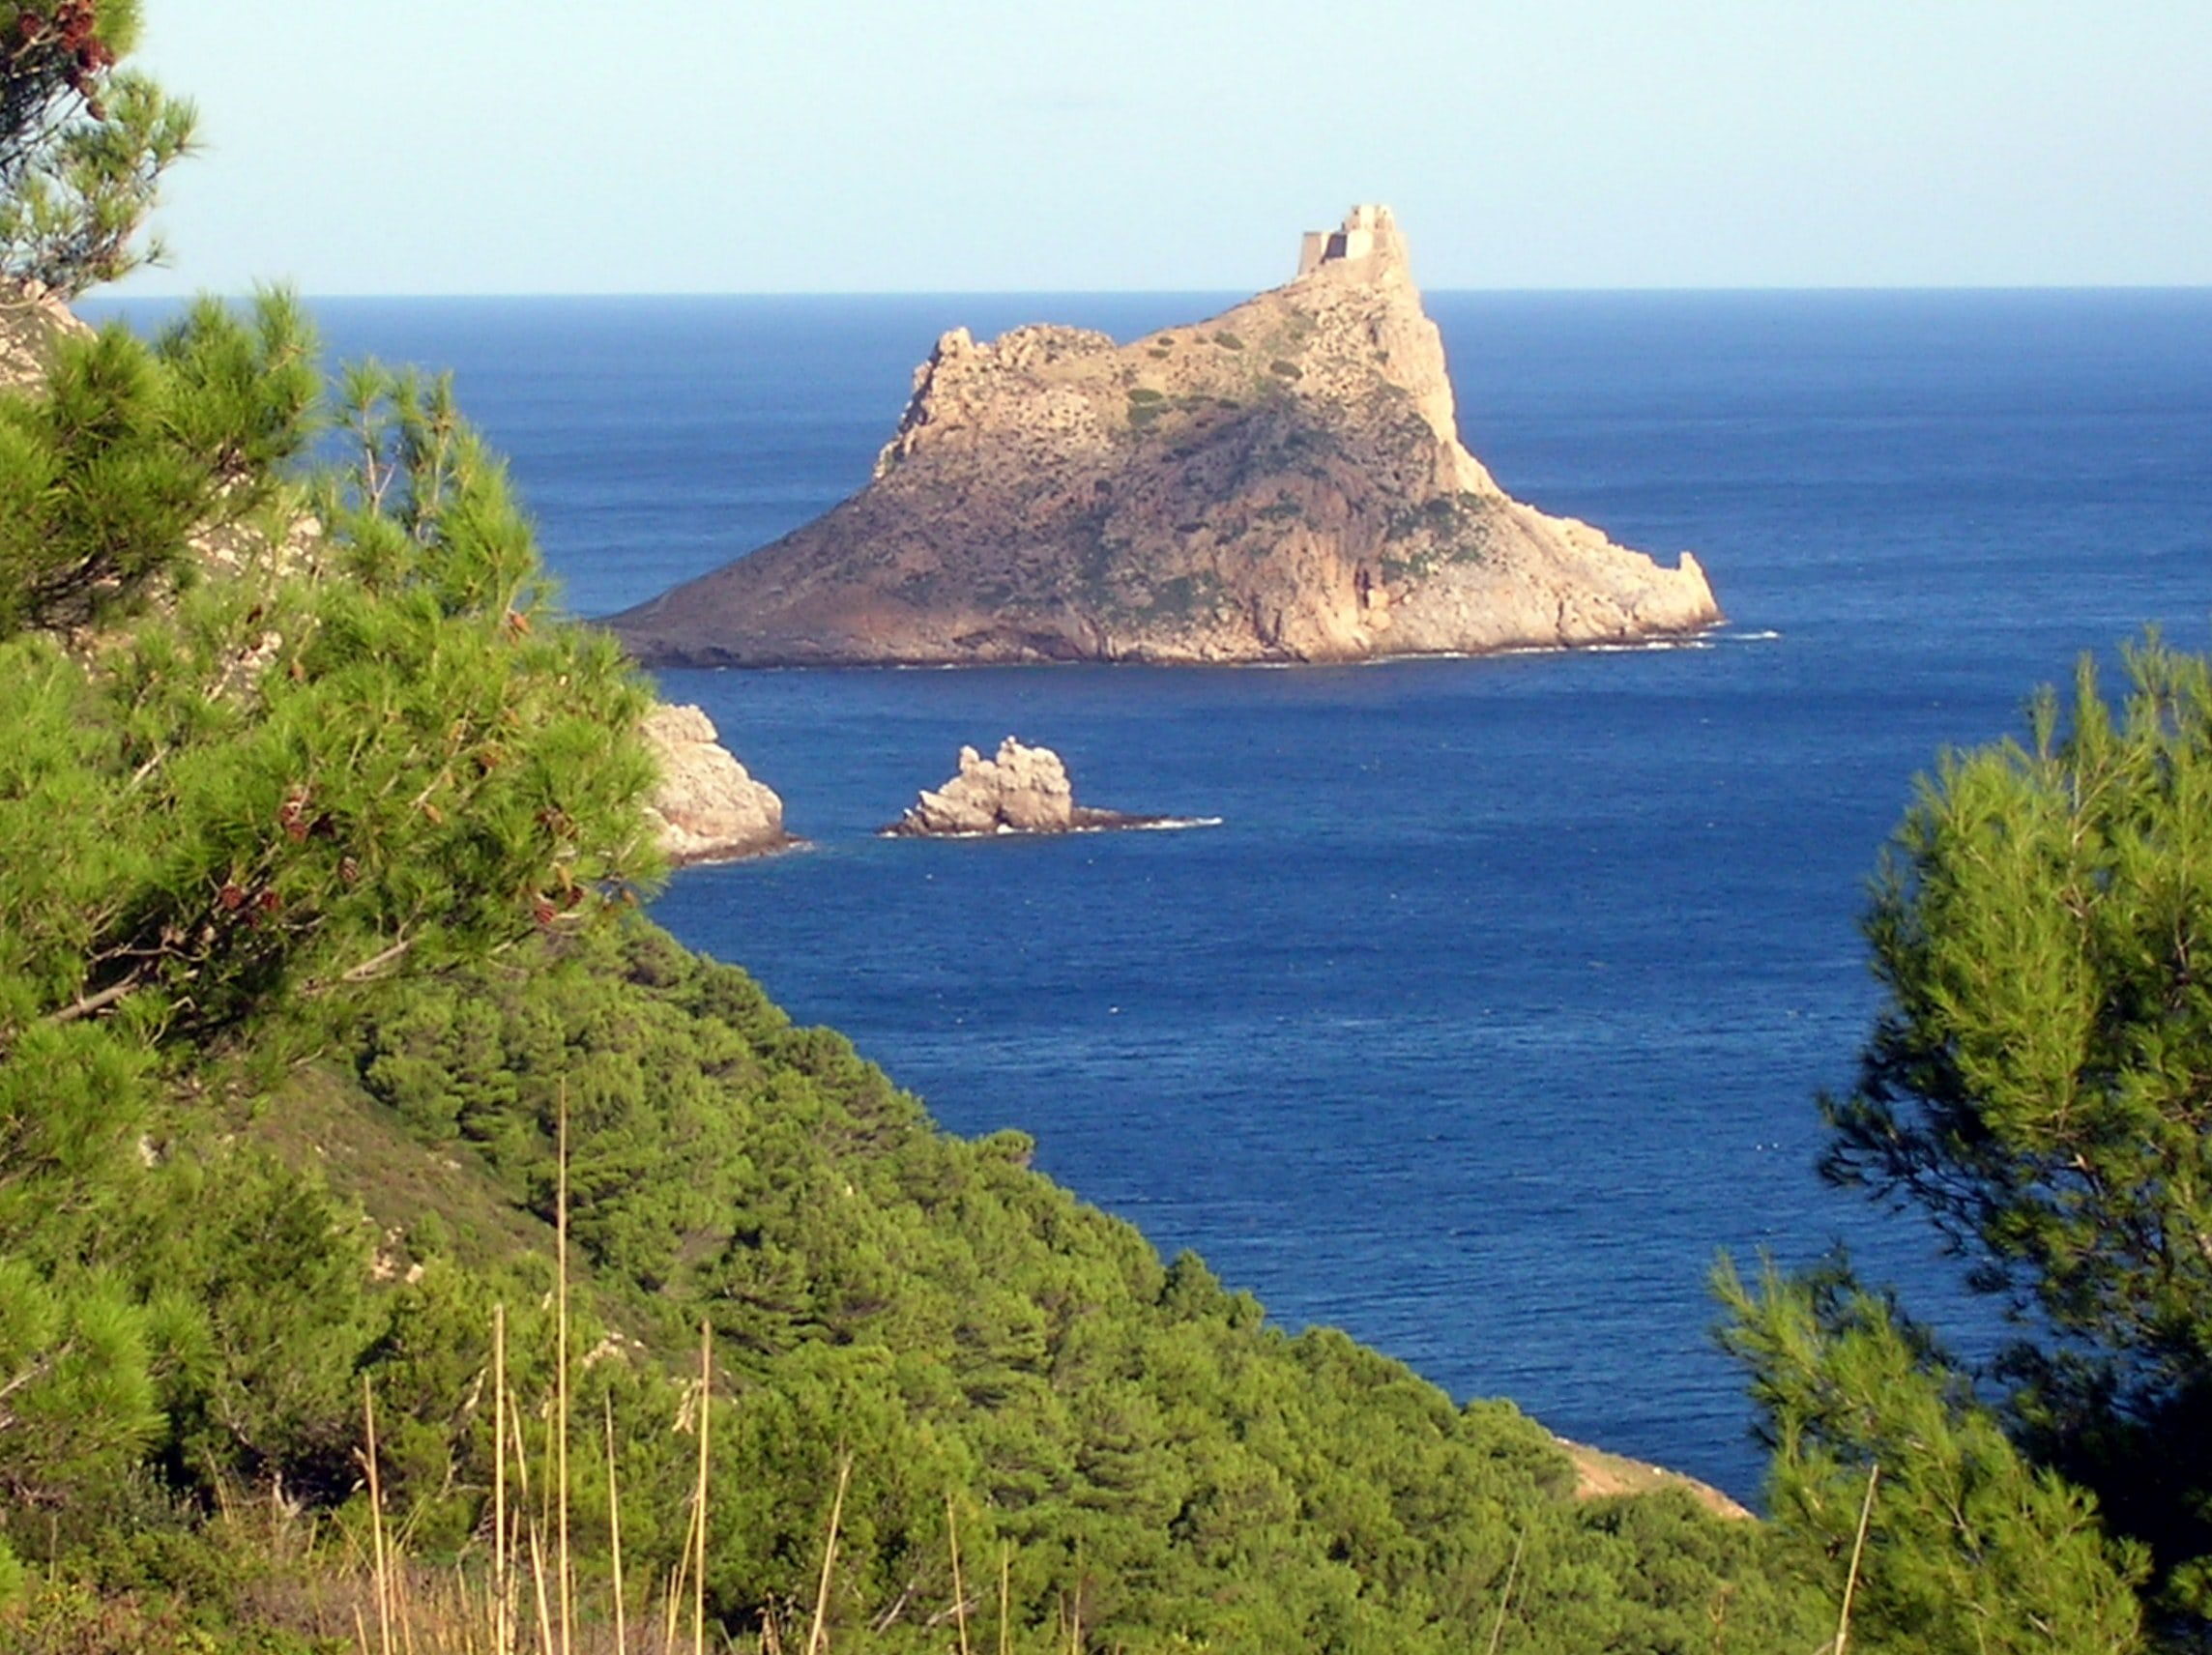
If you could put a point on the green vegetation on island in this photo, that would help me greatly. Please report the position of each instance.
(343, 1088)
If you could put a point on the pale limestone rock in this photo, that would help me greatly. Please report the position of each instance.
(1021, 790)
(1283, 482)
(30, 320)
(707, 809)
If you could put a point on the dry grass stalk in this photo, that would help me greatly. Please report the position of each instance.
(614, 1528)
(699, 1495)
(502, 1633)
(522, 1525)
(817, 1635)
(1858, 1550)
(561, 1354)
(675, 1602)
(1006, 1599)
(376, 1521)
(1075, 1605)
(1505, 1598)
(402, 1611)
(538, 1577)
(959, 1590)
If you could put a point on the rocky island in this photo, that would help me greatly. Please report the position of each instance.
(1021, 790)
(1283, 482)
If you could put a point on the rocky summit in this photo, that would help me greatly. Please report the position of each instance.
(1284, 483)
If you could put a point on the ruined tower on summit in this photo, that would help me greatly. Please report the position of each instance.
(1366, 232)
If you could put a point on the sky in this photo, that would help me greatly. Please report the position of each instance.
(801, 146)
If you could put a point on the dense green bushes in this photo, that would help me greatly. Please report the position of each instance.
(1140, 1438)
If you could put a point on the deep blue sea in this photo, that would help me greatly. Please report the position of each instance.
(1497, 1002)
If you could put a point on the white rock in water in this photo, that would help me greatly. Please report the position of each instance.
(1021, 790)
(707, 809)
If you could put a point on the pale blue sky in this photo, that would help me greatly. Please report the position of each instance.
(637, 146)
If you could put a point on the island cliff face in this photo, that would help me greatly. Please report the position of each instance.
(1281, 482)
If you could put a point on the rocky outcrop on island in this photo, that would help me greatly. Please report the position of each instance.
(707, 809)
(1284, 481)
(1021, 790)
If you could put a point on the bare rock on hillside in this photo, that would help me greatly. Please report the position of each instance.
(30, 320)
(1284, 481)
(707, 809)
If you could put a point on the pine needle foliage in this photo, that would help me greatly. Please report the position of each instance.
(130, 455)
(2040, 1086)
(233, 806)
(2041, 1082)
(1971, 1549)
(83, 143)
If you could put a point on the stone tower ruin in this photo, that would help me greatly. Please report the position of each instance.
(1366, 232)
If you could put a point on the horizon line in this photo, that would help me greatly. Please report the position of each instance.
(1656, 290)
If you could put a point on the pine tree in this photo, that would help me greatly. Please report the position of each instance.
(83, 143)
(1969, 1548)
(2039, 1086)
(118, 471)
(358, 744)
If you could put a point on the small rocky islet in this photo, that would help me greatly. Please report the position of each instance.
(1284, 483)
(1020, 789)
(708, 808)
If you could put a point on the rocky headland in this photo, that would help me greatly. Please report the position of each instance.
(1283, 482)
(1020, 790)
(706, 807)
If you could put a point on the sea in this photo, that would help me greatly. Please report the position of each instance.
(1496, 1004)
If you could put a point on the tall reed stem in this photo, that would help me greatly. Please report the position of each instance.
(1858, 1550)
(502, 1640)
(1006, 1599)
(699, 1495)
(1505, 1599)
(614, 1528)
(560, 1343)
(959, 1590)
(817, 1634)
(376, 1521)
